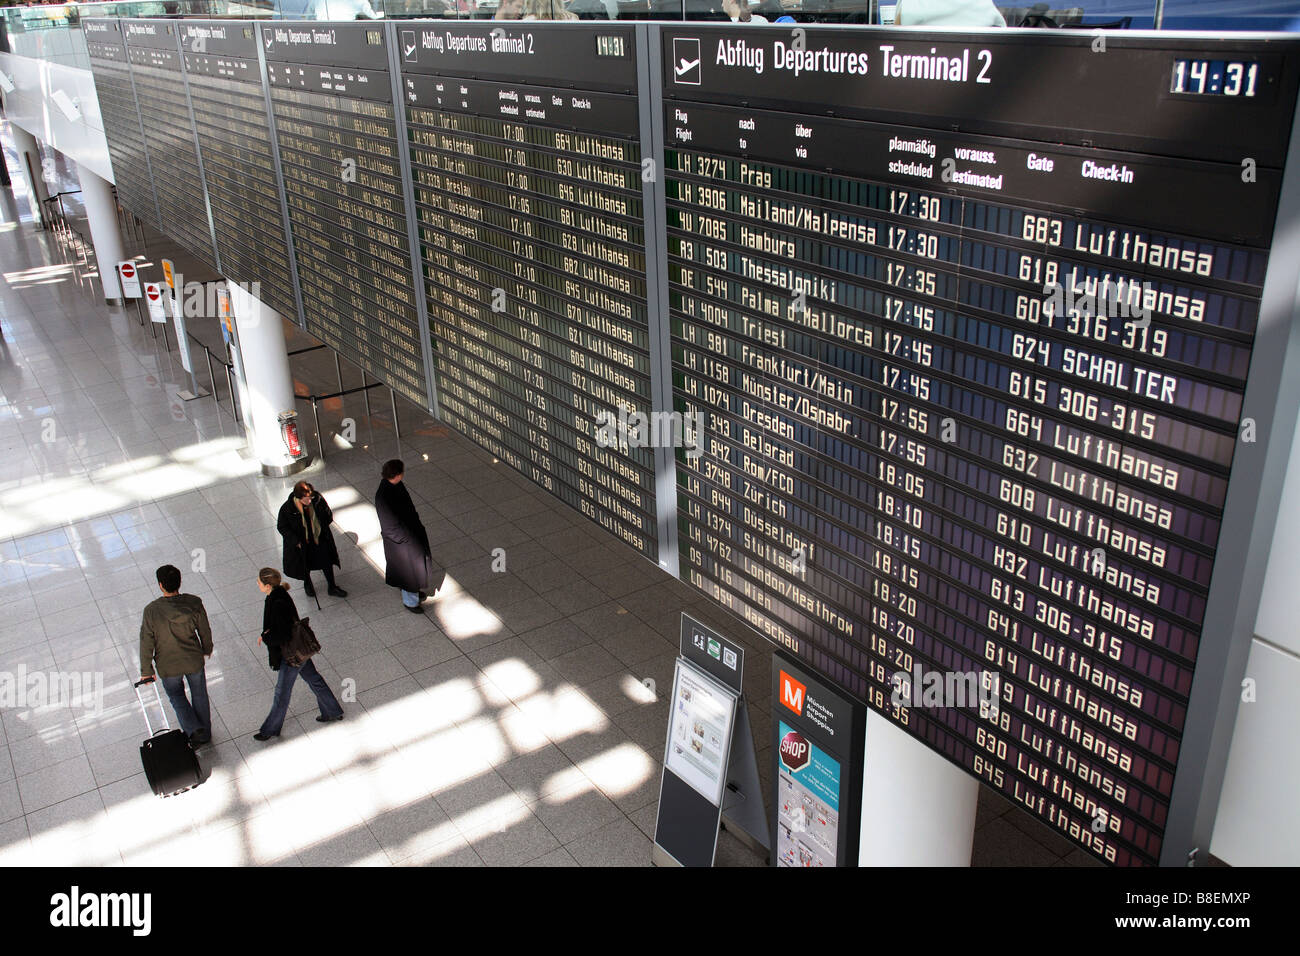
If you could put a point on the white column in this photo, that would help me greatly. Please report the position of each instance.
(269, 381)
(101, 213)
(917, 808)
(29, 162)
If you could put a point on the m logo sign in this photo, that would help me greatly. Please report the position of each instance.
(792, 693)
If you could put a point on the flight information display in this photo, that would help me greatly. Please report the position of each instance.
(169, 134)
(332, 100)
(527, 169)
(939, 344)
(971, 400)
(121, 116)
(234, 130)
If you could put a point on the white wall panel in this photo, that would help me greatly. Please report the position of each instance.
(1258, 823)
(31, 107)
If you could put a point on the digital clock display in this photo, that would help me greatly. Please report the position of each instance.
(610, 46)
(1217, 77)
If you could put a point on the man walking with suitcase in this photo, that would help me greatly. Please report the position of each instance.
(176, 636)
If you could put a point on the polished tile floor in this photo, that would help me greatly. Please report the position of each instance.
(516, 723)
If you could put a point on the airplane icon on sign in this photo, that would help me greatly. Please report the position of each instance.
(686, 57)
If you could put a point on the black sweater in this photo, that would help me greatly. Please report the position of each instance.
(278, 615)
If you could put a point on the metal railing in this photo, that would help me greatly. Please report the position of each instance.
(212, 378)
(70, 241)
(364, 388)
(232, 391)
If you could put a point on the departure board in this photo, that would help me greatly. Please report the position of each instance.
(121, 116)
(153, 49)
(943, 346)
(971, 400)
(526, 163)
(234, 131)
(332, 100)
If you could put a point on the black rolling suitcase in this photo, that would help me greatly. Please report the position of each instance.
(170, 764)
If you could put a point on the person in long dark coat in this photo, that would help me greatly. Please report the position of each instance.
(407, 559)
(304, 523)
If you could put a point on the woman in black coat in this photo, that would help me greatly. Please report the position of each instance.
(304, 523)
(278, 615)
(407, 560)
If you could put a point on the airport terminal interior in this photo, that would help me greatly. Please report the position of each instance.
(947, 387)
(510, 725)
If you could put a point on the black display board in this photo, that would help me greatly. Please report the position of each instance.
(968, 321)
(154, 53)
(234, 132)
(121, 116)
(332, 100)
(526, 161)
(921, 461)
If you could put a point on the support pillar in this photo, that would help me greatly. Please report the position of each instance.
(917, 808)
(101, 213)
(29, 164)
(269, 382)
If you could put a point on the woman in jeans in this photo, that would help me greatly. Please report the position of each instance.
(278, 616)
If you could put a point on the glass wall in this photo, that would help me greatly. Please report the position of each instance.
(51, 31)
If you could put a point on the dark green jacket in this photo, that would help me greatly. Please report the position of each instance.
(174, 633)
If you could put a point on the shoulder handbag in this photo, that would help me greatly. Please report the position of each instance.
(301, 645)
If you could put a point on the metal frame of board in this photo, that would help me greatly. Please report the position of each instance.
(650, 105)
(1254, 492)
(412, 219)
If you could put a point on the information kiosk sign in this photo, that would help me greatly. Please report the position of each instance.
(702, 721)
(817, 737)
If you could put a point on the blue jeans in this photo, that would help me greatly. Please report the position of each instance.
(411, 598)
(196, 716)
(329, 705)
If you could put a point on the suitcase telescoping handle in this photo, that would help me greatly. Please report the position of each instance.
(144, 708)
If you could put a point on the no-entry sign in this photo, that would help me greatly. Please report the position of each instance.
(130, 279)
(153, 295)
